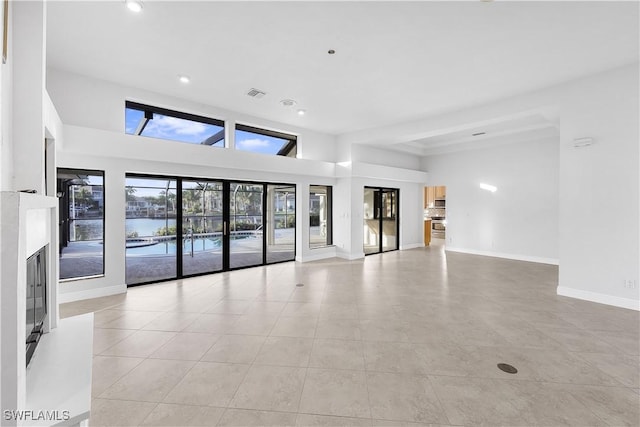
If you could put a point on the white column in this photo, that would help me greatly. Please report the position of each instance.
(29, 62)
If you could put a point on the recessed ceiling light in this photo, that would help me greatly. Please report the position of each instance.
(184, 79)
(331, 52)
(134, 5)
(301, 112)
(288, 102)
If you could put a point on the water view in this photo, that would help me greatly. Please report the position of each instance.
(146, 227)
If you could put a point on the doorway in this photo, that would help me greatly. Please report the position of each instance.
(435, 214)
(181, 227)
(381, 220)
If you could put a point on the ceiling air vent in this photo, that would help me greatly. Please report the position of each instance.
(256, 93)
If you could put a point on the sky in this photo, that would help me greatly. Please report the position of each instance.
(173, 128)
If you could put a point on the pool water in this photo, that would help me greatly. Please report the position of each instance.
(169, 247)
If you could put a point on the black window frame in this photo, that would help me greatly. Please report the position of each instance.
(329, 231)
(285, 150)
(149, 110)
(63, 201)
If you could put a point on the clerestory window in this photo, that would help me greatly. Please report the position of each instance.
(265, 141)
(156, 122)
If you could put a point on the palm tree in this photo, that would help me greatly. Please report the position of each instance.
(130, 191)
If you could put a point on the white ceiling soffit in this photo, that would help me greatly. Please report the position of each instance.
(394, 61)
(503, 137)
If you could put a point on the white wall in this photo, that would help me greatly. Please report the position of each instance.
(519, 220)
(98, 104)
(29, 56)
(117, 154)
(6, 152)
(600, 188)
(349, 218)
(599, 192)
(6, 116)
(380, 156)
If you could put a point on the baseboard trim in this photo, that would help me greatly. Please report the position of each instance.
(90, 293)
(319, 256)
(411, 246)
(539, 260)
(349, 256)
(628, 303)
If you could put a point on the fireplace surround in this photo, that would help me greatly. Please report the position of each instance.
(58, 376)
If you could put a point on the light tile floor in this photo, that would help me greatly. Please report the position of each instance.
(404, 338)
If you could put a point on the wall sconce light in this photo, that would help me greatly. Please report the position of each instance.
(488, 187)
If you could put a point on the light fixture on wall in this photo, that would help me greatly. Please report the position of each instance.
(488, 187)
(134, 5)
(583, 142)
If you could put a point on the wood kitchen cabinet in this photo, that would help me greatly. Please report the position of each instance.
(433, 193)
(427, 232)
(429, 196)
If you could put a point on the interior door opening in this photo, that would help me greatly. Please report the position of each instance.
(435, 215)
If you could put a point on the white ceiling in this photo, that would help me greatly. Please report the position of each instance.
(394, 62)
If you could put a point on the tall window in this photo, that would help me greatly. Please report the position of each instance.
(81, 196)
(265, 141)
(320, 233)
(161, 123)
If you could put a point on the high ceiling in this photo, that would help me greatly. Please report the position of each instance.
(394, 61)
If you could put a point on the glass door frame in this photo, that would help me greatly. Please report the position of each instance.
(377, 198)
(226, 209)
(180, 223)
(226, 215)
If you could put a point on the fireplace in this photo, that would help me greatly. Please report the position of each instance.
(36, 292)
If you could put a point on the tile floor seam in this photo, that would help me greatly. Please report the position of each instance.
(141, 423)
(304, 383)
(366, 382)
(244, 377)
(442, 407)
(528, 380)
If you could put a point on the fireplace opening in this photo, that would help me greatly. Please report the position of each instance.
(36, 299)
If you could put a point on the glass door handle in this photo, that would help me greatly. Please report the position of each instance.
(224, 228)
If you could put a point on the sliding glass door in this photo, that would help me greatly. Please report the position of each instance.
(202, 226)
(381, 226)
(246, 224)
(371, 222)
(151, 242)
(180, 227)
(281, 222)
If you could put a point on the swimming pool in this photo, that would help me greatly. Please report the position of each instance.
(168, 247)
